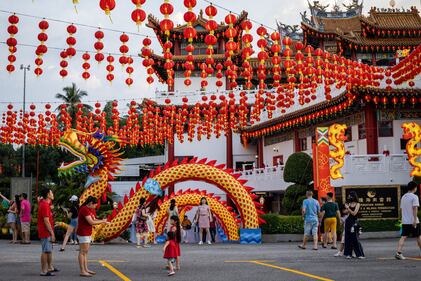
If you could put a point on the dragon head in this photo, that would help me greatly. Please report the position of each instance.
(410, 130)
(94, 153)
(338, 130)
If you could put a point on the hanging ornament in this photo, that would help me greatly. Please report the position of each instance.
(99, 56)
(276, 59)
(71, 41)
(110, 68)
(219, 75)
(12, 42)
(63, 64)
(189, 34)
(166, 26)
(210, 39)
(230, 47)
(86, 66)
(41, 49)
(147, 60)
(124, 38)
(262, 56)
(107, 6)
(129, 70)
(138, 15)
(247, 51)
(75, 2)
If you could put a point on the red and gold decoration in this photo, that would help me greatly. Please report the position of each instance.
(12, 42)
(71, 41)
(63, 64)
(138, 14)
(129, 71)
(230, 47)
(210, 41)
(166, 26)
(41, 49)
(247, 51)
(99, 35)
(189, 34)
(86, 66)
(148, 62)
(337, 138)
(107, 6)
(412, 133)
(110, 68)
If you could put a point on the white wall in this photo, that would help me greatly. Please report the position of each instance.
(285, 148)
(196, 84)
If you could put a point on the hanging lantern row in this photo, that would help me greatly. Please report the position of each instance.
(99, 46)
(166, 26)
(189, 34)
(12, 42)
(407, 69)
(210, 41)
(42, 48)
(148, 62)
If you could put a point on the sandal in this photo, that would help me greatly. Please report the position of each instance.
(315, 249)
(91, 272)
(61, 250)
(54, 270)
(301, 247)
(334, 248)
(171, 273)
(85, 275)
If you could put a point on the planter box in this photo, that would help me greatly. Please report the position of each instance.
(276, 238)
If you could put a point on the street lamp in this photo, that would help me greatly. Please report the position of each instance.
(24, 68)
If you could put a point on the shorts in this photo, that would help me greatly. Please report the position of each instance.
(11, 218)
(408, 230)
(84, 239)
(310, 228)
(73, 223)
(46, 245)
(330, 224)
(26, 226)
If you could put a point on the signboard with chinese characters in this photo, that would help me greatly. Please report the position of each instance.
(377, 202)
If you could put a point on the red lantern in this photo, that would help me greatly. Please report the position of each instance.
(230, 46)
(99, 35)
(71, 41)
(189, 35)
(147, 61)
(129, 70)
(138, 15)
(166, 26)
(123, 48)
(11, 41)
(86, 66)
(107, 6)
(63, 64)
(110, 68)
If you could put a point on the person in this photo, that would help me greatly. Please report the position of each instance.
(86, 219)
(18, 222)
(329, 212)
(410, 221)
(310, 212)
(71, 228)
(352, 242)
(151, 224)
(340, 252)
(323, 201)
(176, 228)
(25, 218)
(11, 218)
(170, 252)
(203, 218)
(212, 228)
(46, 232)
(141, 225)
(187, 226)
(172, 211)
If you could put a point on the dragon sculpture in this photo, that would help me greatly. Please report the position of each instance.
(412, 133)
(336, 138)
(97, 156)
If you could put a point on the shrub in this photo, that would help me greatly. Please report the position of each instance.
(379, 225)
(299, 169)
(276, 224)
(293, 199)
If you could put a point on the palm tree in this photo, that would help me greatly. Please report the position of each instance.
(72, 97)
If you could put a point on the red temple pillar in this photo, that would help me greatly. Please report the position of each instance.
(371, 130)
(230, 157)
(260, 160)
(171, 158)
(297, 146)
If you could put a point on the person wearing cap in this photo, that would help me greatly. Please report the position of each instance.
(71, 229)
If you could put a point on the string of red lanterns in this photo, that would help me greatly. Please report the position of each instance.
(41, 49)
(12, 42)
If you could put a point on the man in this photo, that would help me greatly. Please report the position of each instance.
(329, 212)
(310, 212)
(46, 232)
(212, 228)
(410, 221)
(25, 218)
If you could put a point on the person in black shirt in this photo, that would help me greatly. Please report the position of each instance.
(72, 215)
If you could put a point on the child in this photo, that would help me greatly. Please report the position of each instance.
(340, 253)
(170, 252)
(175, 227)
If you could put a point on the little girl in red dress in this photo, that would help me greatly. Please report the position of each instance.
(170, 251)
(176, 229)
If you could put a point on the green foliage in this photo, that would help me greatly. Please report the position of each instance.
(379, 225)
(276, 224)
(417, 179)
(293, 198)
(299, 169)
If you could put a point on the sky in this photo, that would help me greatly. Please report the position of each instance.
(43, 89)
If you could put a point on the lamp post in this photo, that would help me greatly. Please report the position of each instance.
(24, 68)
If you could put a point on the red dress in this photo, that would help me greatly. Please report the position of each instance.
(177, 244)
(171, 250)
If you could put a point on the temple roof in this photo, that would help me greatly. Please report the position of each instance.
(335, 25)
(359, 39)
(393, 18)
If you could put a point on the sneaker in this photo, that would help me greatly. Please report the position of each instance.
(201, 243)
(339, 254)
(209, 242)
(399, 256)
(348, 257)
(171, 273)
(361, 258)
(146, 246)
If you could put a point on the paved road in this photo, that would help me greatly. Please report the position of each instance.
(280, 262)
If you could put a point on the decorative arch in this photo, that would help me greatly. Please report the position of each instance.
(192, 198)
(171, 173)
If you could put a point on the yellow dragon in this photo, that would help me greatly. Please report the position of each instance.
(336, 139)
(412, 133)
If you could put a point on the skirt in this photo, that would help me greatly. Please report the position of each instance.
(11, 218)
(204, 221)
(151, 226)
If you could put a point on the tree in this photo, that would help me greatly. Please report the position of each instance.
(298, 170)
(72, 97)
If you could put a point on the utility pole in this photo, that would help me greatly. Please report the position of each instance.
(24, 68)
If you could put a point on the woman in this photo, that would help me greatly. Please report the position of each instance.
(172, 211)
(352, 242)
(152, 208)
(141, 224)
(86, 219)
(11, 218)
(203, 218)
(72, 215)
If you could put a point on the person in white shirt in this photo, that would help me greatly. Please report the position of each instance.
(410, 221)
